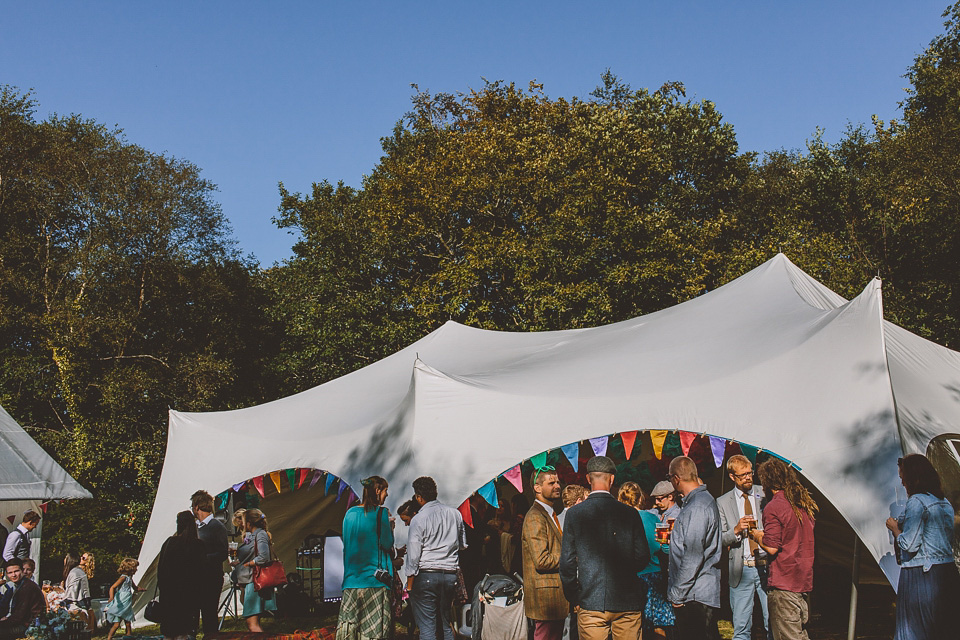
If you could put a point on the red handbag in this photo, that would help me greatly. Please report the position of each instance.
(271, 574)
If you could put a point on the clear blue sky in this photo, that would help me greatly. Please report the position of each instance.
(261, 92)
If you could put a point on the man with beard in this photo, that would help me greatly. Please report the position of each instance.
(543, 600)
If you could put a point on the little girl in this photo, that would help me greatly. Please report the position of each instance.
(120, 607)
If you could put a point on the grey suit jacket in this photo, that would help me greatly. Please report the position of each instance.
(729, 516)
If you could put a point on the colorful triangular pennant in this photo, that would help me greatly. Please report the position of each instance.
(330, 480)
(513, 475)
(539, 461)
(238, 486)
(222, 499)
(464, 510)
(599, 445)
(686, 439)
(489, 493)
(275, 477)
(718, 446)
(303, 474)
(572, 453)
(343, 487)
(317, 474)
(750, 452)
(628, 438)
(658, 437)
(258, 483)
(292, 478)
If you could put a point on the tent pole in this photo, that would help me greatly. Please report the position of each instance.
(854, 589)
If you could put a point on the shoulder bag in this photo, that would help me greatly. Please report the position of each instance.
(271, 574)
(154, 610)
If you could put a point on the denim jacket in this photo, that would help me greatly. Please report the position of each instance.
(927, 532)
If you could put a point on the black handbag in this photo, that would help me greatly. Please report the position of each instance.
(154, 610)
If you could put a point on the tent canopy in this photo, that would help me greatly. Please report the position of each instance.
(773, 359)
(27, 472)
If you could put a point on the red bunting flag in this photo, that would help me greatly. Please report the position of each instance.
(686, 439)
(43, 507)
(464, 510)
(258, 483)
(628, 439)
(303, 477)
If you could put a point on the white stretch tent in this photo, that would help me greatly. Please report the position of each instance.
(773, 359)
(29, 476)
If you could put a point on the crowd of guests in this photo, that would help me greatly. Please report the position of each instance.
(623, 564)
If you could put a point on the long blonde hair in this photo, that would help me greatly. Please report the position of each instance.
(89, 565)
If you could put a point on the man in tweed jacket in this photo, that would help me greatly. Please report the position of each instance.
(543, 600)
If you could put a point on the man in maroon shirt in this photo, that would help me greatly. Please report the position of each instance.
(787, 536)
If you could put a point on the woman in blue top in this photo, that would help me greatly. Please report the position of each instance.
(367, 554)
(929, 587)
(658, 613)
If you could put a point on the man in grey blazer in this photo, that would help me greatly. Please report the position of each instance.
(739, 510)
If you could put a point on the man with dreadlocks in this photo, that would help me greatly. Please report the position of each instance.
(787, 536)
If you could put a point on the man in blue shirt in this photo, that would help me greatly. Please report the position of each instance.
(695, 549)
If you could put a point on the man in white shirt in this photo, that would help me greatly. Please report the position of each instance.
(739, 511)
(433, 552)
(18, 542)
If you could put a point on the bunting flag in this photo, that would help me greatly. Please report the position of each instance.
(343, 487)
(43, 507)
(302, 477)
(238, 486)
(599, 445)
(539, 461)
(258, 483)
(628, 439)
(686, 439)
(292, 479)
(658, 438)
(222, 500)
(317, 474)
(11, 519)
(514, 477)
(464, 510)
(750, 452)
(350, 499)
(572, 452)
(489, 493)
(718, 446)
(330, 480)
(275, 477)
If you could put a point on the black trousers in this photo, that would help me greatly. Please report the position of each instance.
(209, 594)
(696, 621)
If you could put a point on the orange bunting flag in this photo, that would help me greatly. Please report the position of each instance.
(275, 476)
(686, 439)
(464, 510)
(628, 439)
(258, 483)
(658, 438)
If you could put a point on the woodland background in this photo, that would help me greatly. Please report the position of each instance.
(123, 293)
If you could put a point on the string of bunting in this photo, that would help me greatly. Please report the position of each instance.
(295, 479)
(599, 447)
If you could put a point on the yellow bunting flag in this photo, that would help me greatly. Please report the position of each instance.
(275, 476)
(658, 438)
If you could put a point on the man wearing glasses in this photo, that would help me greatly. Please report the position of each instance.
(665, 504)
(543, 600)
(740, 512)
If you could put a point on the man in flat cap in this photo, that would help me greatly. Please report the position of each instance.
(664, 498)
(604, 546)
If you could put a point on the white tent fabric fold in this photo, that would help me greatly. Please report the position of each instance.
(27, 472)
(773, 359)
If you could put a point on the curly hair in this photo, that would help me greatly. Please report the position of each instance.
(774, 475)
(632, 494)
(128, 566)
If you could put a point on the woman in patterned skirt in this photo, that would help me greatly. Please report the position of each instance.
(365, 612)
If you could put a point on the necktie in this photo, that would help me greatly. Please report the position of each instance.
(557, 520)
(748, 511)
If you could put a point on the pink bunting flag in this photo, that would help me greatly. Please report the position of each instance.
(628, 439)
(599, 445)
(686, 439)
(718, 446)
(275, 477)
(514, 477)
(258, 483)
(658, 438)
(303, 477)
(464, 510)
(317, 474)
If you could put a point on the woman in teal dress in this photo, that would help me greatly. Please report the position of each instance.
(657, 613)
(365, 613)
(255, 550)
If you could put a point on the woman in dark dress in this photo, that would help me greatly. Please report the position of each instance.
(180, 558)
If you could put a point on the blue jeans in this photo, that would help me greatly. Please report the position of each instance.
(741, 602)
(431, 599)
